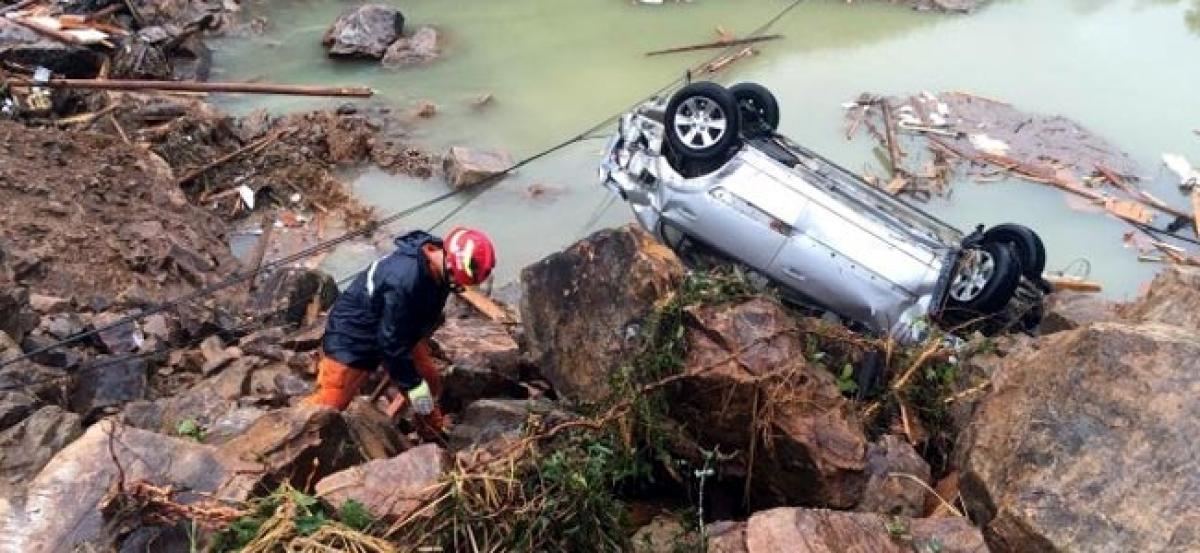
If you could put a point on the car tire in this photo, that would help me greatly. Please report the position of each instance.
(1027, 244)
(702, 123)
(985, 283)
(758, 109)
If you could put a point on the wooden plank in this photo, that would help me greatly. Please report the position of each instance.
(485, 306)
(1073, 284)
(1129, 210)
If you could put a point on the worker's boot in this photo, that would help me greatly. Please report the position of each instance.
(337, 384)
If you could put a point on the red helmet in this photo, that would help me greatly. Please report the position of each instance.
(470, 256)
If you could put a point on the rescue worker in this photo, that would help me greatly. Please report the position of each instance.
(387, 314)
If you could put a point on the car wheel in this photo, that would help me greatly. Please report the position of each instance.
(702, 122)
(1027, 244)
(986, 278)
(758, 108)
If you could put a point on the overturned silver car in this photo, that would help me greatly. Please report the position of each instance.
(706, 172)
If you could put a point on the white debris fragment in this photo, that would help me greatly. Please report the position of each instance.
(989, 145)
(247, 195)
(1188, 176)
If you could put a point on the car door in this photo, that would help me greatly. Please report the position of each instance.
(744, 214)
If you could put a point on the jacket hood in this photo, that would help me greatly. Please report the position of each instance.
(410, 244)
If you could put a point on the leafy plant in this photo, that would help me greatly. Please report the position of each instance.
(845, 380)
(355, 515)
(189, 428)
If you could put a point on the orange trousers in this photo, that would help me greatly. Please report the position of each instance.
(338, 383)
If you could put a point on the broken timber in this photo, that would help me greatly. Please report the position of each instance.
(193, 86)
(715, 44)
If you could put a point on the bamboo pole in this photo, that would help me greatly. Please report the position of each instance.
(192, 86)
(715, 44)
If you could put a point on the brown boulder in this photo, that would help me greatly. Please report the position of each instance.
(388, 488)
(1089, 443)
(1070, 310)
(797, 530)
(580, 306)
(373, 432)
(465, 167)
(753, 353)
(26, 446)
(16, 317)
(490, 420)
(1173, 297)
(421, 47)
(484, 360)
(61, 509)
(895, 475)
(296, 445)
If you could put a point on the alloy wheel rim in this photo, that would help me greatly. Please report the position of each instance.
(977, 270)
(700, 122)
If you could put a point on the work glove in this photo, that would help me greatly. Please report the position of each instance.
(422, 400)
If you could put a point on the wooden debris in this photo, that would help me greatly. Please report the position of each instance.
(897, 185)
(1073, 284)
(726, 61)
(1129, 210)
(194, 86)
(251, 147)
(722, 43)
(1196, 210)
(485, 305)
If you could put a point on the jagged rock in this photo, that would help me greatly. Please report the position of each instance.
(307, 338)
(295, 444)
(376, 436)
(1089, 443)
(16, 318)
(664, 535)
(123, 338)
(488, 420)
(62, 506)
(26, 47)
(894, 495)
(59, 357)
(61, 326)
(364, 31)
(208, 400)
(579, 306)
(106, 384)
(48, 305)
(388, 488)
(26, 446)
(9, 349)
(1173, 297)
(288, 294)
(421, 47)
(46, 383)
(232, 424)
(14, 407)
(817, 450)
(484, 360)
(798, 530)
(465, 167)
(1070, 310)
(216, 355)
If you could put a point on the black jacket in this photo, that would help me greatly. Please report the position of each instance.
(386, 310)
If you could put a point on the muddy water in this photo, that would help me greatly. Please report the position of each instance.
(1124, 68)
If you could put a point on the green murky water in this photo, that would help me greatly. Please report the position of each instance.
(1124, 68)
